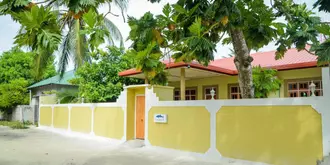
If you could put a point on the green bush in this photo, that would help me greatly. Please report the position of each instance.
(28, 122)
(14, 124)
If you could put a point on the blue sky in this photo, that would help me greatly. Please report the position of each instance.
(137, 8)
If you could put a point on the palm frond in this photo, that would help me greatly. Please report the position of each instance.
(41, 61)
(66, 50)
(80, 46)
(114, 31)
(123, 5)
(68, 96)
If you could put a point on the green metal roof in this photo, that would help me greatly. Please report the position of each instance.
(55, 80)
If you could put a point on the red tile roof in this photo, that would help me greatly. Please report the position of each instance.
(292, 60)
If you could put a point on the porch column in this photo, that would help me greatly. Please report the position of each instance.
(326, 81)
(183, 84)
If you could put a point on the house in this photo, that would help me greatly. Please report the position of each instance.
(297, 70)
(45, 88)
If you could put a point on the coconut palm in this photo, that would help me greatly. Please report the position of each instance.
(75, 29)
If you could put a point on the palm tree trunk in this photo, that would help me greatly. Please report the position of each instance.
(242, 62)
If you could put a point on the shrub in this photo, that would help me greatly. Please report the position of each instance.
(14, 124)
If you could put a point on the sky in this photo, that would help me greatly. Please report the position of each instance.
(136, 8)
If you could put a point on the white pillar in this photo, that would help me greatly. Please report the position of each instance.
(30, 101)
(92, 120)
(326, 81)
(69, 122)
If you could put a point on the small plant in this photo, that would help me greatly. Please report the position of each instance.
(27, 122)
(265, 81)
(18, 125)
(14, 124)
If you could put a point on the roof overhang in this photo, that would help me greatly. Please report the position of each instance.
(194, 70)
(174, 74)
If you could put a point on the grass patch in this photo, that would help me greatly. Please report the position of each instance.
(14, 124)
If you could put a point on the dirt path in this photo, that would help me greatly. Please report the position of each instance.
(37, 147)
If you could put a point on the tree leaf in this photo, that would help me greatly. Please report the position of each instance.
(179, 9)
(196, 27)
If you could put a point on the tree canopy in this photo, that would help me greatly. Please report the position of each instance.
(189, 30)
(99, 81)
(73, 28)
(16, 74)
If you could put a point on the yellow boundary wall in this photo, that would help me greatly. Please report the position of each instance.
(293, 131)
(102, 120)
(281, 131)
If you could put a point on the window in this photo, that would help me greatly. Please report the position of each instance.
(301, 88)
(234, 92)
(207, 92)
(191, 94)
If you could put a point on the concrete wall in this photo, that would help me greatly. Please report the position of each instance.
(48, 99)
(293, 131)
(23, 112)
(164, 93)
(271, 134)
(276, 131)
(1, 116)
(39, 90)
(222, 82)
(98, 120)
(188, 128)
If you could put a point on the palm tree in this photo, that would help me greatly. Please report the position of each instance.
(73, 28)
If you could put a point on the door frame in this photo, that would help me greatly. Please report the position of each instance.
(135, 114)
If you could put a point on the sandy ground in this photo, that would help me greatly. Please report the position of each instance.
(37, 147)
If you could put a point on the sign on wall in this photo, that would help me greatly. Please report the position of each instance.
(160, 118)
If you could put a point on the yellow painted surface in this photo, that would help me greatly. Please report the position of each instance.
(130, 126)
(223, 81)
(220, 81)
(164, 93)
(61, 117)
(188, 128)
(140, 91)
(46, 116)
(130, 114)
(109, 122)
(298, 74)
(281, 135)
(81, 119)
(48, 99)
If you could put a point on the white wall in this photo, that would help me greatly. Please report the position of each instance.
(39, 91)
(23, 112)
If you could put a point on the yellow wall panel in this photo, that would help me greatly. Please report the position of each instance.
(281, 135)
(46, 116)
(109, 122)
(188, 128)
(164, 93)
(81, 119)
(61, 117)
(139, 90)
(130, 114)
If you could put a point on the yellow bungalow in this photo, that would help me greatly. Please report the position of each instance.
(193, 81)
